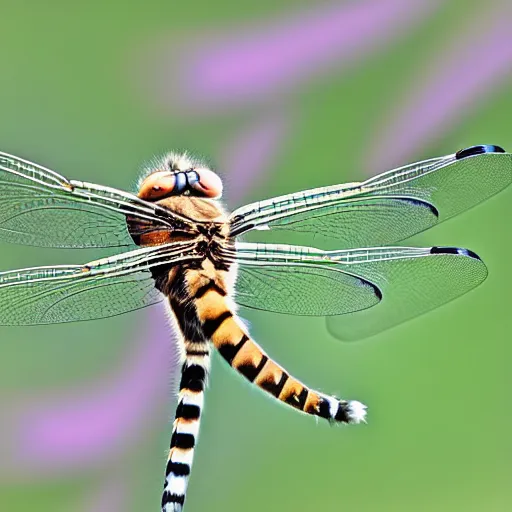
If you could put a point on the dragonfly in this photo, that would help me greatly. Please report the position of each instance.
(179, 246)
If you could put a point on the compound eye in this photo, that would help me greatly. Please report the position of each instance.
(209, 184)
(157, 185)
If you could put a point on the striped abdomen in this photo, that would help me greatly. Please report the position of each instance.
(202, 306)
(228, 334)
(185, 431)
(194, 375)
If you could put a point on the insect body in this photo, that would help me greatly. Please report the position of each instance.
(200, 296)
(183, 251)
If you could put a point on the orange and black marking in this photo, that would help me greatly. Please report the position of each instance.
(225, 330)
(199, 299)
(194, 376)
(199, 294)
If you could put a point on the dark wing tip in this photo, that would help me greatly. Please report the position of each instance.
(477, 150)
(377, 291)
(455, 250)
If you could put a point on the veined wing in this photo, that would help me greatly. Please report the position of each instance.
(389, 207)
(99, 289)
(40, 207)
(372, 289)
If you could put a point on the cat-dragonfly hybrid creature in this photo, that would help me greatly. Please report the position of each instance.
(181, 248)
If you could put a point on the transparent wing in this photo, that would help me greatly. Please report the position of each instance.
(99, 289)
(298, 281)
(411, 286)
(388, 207)
(396, 283)
(40, 207)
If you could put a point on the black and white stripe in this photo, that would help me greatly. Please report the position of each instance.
(185, 432)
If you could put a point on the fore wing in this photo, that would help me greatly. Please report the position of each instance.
(40, 207)
(362, 291)
(389, 207)
(99, 289)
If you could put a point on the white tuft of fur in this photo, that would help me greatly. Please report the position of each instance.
(356, 412)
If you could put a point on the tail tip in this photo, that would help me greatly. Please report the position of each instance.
(356, 412)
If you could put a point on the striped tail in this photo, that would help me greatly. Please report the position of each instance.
(185, 431)
(229, 336)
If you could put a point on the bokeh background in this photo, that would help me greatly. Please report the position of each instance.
(281, 96)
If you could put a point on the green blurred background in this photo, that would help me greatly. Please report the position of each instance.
(94, 89)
